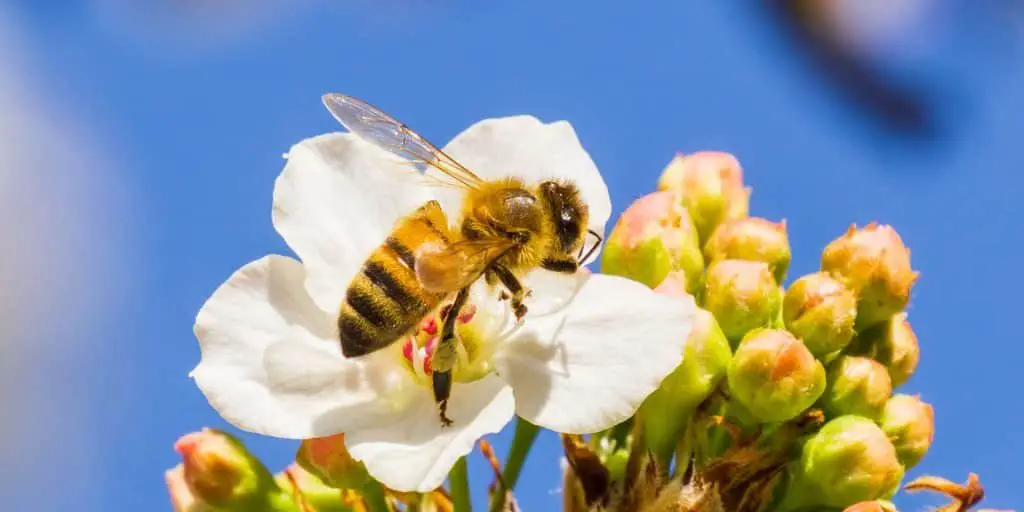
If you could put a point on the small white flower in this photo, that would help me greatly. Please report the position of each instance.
(590, 349)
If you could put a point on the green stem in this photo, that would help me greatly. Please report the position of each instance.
(458, 480)
(373, 495)
(522, 441)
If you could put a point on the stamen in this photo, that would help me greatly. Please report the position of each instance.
(467, 313)
(429, 326)
(407, 349)
(429, 350)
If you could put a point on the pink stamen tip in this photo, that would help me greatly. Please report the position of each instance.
(431, 345)
(408, 348)
(426, 363)
(188, 443)
(467, 313)
(430, 326)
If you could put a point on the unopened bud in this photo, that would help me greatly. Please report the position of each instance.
(653, 237)
(751, 239)
(667, 411)
(712, 189)
(328, 459)
(892, 343)
(874, 263)
(308, 491)
(856, 385)
(820, 311)
(910, 425)
(182, 499)
(218, 470)
(773, 375)
(848, 461)
(743, 295)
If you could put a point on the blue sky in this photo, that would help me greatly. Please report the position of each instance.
(180, 123)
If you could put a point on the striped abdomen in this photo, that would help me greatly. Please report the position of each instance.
(385, 300)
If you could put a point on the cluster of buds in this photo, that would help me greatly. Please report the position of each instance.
(786, 398)
(765, 356)
(218, 474)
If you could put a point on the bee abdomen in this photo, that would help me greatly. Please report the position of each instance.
(383, 303)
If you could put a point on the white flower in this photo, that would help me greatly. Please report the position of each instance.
(590, 349)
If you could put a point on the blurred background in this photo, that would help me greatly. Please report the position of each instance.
(139, 142)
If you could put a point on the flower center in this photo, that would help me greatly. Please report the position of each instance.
(418, 348)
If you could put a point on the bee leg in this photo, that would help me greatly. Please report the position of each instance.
(442, 390)
(564, 266)
(445, 356)
(514, 287)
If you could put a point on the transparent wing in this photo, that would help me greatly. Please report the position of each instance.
(455, 266)
(386, 132)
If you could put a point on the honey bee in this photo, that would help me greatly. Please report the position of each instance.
(506, 228)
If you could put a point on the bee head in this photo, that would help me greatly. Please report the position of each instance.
(567, 211)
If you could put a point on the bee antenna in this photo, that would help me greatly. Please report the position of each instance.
(592, 248)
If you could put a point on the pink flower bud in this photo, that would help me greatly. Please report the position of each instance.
(892, 343)
(910, 425)
(874, 263)
(653, 237)
(773, 375)
(218, 470)
(742, 295)
(856, 385)
(182, 499)
(712, 188)
(751, 239)
(820, 311)
(848, 461)
(305, 489)
(329, 460)
(674, 285)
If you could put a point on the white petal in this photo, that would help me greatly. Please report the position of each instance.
(590, 366)
(272, 364)
(336, 200)
(414, 453)
(524, 146)
(550, 292)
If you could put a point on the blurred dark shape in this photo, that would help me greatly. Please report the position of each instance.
(903, 110)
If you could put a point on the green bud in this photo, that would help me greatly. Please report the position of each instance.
(667, 411)
(306, 488)
(856, 385)
(910, 425)
(219, 471)
(751, 239)
(712, 189)
(848, 461)
(742, 295)
(892, 343)
(874, 263)
(820, 311)
(773, 376)
(653, 237)
(329, 460)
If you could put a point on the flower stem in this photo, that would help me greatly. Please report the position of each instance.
(522, 441)
(373, 495)
(459, 481)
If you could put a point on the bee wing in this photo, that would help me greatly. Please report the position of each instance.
(455, 266)
(374, 126)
